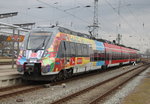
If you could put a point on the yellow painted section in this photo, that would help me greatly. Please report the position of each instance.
(56, 69)
(85, 60)
(48, 60)
(94, 63)
(50, 49)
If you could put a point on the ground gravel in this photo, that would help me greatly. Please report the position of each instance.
(48, 95)
(128, 88)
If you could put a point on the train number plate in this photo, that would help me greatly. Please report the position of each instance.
(33, 60)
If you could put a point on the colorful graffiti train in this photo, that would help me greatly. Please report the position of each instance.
(57, 52)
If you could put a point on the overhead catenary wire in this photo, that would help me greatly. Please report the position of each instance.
(64, 12)
(131, 27)
(42, 19)
(135, 17)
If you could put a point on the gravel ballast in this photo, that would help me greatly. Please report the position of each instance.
(127, 89)
(48, 95)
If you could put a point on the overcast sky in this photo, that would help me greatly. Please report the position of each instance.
(134, 17)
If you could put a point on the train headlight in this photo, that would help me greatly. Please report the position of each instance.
(33, 60)
(46, 69)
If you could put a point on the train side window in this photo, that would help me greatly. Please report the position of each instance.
(84, 47)
(102, 55)
(72, 48)
(120, 55)
(117, 56)
(107, 56)
(112, 55)
(91, 54)
(98, 55)
(79, 50)
(76, 49)
(67, 51)
(95, 55)
(87, 48)
(124, 55)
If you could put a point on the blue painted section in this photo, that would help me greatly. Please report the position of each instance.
(22, 60)
(100, 46)
(100, 63)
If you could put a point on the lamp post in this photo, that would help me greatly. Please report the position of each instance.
(119, 36)
(13, 46)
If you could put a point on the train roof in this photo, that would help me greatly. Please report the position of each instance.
(65, 30)
(68, 31)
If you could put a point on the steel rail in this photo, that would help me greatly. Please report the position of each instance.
(7, 92)
(18, 90)
(96, 100)
(73, 95)
(10, 91)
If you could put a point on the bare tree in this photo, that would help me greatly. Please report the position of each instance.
(147, 53)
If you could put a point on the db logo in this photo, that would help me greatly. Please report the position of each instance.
(72, 62)
(79, 61)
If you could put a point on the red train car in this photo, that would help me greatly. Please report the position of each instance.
(119, 55)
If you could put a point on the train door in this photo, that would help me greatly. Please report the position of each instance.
(63, 54)
(66, 46)
(108, 56)
(91, 54)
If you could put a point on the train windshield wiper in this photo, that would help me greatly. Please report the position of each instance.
(40, 46)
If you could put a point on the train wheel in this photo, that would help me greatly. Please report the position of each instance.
(120, 64)
(69, 73)
(60, 75)
(55, 79)
(104, 67)
(65, 74)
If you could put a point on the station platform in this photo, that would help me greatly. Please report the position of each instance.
(7, 69)
(9, 76)
(141, 94)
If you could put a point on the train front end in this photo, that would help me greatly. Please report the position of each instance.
(34, 51)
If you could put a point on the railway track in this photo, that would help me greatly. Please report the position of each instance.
(11, 91)
(95, 93)
(6, 61)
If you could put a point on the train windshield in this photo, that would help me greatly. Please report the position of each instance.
(38, 40)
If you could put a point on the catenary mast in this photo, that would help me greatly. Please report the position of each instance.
(94, 28)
